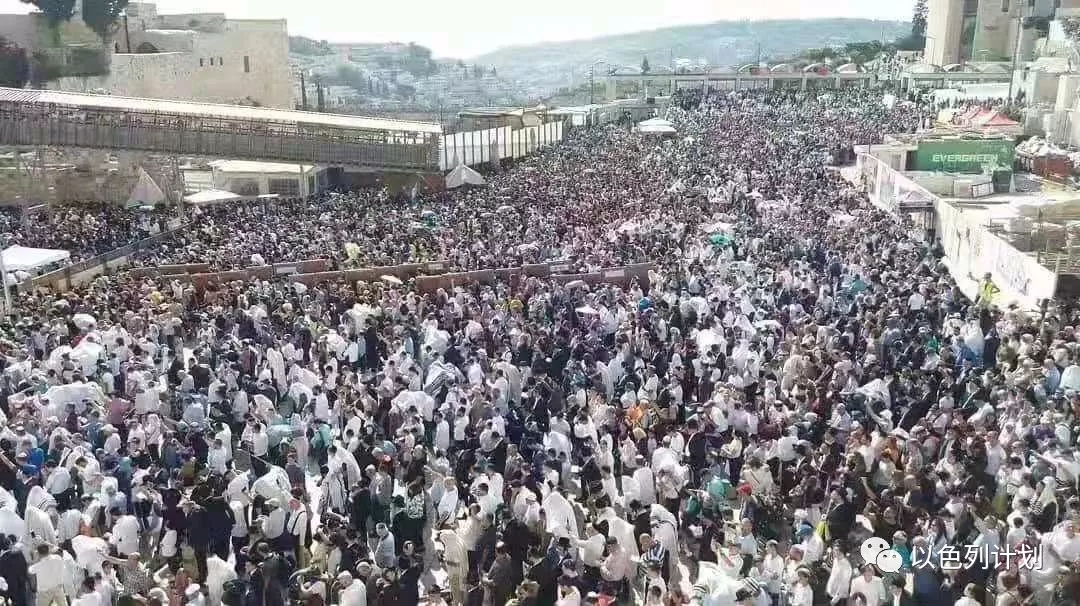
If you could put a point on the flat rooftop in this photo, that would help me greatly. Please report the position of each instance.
(212, 110)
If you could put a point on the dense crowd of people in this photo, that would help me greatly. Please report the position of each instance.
(84, 230)
(797, 375)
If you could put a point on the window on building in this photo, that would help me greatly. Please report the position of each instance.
(220, 61)
(211, 62)
(1004, 6)
(247, 64)
(200, 62)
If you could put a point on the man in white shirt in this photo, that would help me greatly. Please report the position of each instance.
(350, 592)
(217, 457)
(273, 526)
(48, 575)
(870, 586)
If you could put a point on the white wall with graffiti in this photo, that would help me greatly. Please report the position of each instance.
(971, 250)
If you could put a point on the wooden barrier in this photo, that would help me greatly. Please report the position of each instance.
(169, 270)
(621, 276)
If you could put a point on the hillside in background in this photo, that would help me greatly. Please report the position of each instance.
(542, 68)
(400, 78)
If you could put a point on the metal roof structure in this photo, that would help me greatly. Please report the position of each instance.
(229, 112)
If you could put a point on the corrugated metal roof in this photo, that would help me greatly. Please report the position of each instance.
(235, 112)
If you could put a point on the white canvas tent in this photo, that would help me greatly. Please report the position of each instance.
(211, 196)
(21, 258)
(656, 126)
(463, 175)
(653, 122)
(145, 191)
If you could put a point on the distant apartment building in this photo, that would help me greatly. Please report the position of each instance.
(203, 57)
(958, 31)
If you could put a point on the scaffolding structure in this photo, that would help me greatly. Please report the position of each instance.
(31, 118)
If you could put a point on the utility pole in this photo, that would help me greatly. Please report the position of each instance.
(1015, 55)
(303, 93)
(592, 83)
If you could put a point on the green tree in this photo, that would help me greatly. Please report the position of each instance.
(101, 15)
(14, 65)
(55, 11)
(644, 65)
(918, 20)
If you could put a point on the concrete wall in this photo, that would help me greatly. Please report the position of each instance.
(943, 23)
(994, 30)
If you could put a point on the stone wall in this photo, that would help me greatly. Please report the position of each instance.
(212, 71)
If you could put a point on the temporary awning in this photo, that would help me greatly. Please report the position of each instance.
(463, 175)
(211, 196)
(145, 191)
(657, 122)
(656, 129)
(21, 258)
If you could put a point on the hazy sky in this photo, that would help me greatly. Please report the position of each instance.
(464, 28)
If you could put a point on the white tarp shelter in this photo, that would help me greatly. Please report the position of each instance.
(655, 122)
(211, 196)
(145, 191)
(656, 129)
(21, 258)
(463, 175)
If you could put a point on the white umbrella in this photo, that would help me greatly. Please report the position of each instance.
(586, 310)
(390, 280)
(576, 284)
(505, 208)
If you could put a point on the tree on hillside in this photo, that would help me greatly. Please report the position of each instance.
(55, 11)
(819, 54)
(918, 20)
(863, 52)
(14, 65)
(644, 65)
(101, 15)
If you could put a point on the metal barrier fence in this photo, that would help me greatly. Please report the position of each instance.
(429, 276)
(84, 271)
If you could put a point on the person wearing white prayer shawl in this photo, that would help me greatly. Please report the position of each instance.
(333, 489)
(442, 433)
(218, 572)
(456, 559)
(448, 501)
(274, 484)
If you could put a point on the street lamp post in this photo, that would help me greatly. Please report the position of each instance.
(592, 83)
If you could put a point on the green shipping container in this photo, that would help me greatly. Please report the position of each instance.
(965, 155)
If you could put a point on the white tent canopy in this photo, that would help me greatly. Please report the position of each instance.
(145, 191)
(463, 175)
(652, 122)
(211, 196)
(656, 129)
(21, 258)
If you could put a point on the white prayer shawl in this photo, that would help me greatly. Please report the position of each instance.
(448, 503)
(622, 530)
(561, 521)
(277, 365)
(646, 486)
(454, 552)
(218, 572)
(89, 552)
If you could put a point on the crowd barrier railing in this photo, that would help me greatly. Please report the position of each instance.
(84, 271)
(429, 277)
